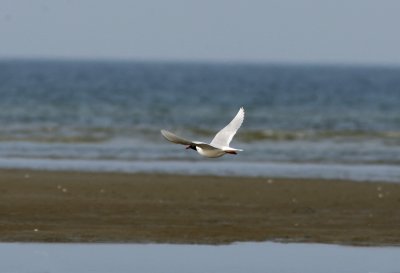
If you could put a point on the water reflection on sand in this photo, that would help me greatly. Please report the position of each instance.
(240, 257)
(354, 172)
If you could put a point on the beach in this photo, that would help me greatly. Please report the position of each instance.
(82, 158)
(61, 206)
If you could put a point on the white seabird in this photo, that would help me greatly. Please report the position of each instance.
(219, 146)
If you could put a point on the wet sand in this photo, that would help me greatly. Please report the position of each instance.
(101, 207)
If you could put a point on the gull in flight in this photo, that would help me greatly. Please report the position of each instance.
(219, 146)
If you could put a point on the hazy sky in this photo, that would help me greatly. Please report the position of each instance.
(344, 31)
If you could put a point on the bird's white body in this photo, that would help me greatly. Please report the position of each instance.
(210, 152)
(219, 146)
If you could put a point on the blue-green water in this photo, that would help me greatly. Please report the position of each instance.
(71, 110)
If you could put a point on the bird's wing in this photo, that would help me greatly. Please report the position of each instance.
(206, 146)
(224, 137)
(174, 138)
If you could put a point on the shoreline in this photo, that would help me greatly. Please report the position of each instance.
(286, 170)
(64, 206)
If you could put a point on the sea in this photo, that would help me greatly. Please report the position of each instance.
(307, 121)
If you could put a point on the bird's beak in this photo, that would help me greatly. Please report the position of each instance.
(188, 147)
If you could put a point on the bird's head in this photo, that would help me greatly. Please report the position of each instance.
(191, 146)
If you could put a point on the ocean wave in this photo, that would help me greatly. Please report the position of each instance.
(51, 135)
(98, 135)
(250, 136)
(271, 135)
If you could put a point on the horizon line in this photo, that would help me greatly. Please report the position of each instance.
(202, 61)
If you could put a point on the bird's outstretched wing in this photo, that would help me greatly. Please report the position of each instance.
(224, 137)
(174, 138)
(206, 146)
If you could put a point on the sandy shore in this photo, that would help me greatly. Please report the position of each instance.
(94, 207)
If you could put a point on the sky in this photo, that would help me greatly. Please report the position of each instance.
(296, 31)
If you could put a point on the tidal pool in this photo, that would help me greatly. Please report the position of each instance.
(239, 257)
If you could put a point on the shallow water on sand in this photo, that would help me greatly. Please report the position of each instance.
(354, 172)
(239, 257)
